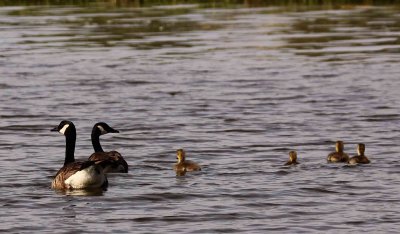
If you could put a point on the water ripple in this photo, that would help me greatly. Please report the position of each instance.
(236, 85)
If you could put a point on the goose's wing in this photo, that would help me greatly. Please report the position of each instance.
(99, 156)
(68, 170)
(112, 159)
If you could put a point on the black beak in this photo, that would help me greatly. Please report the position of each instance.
(54, 129)
(112, 130)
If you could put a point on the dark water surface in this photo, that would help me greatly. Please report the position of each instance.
(237, 87)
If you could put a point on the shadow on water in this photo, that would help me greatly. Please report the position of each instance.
(344, 33)
(107, 27)
(140, 25)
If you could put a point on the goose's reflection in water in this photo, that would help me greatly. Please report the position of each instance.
(81, 192)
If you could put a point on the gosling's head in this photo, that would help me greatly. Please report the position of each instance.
(339, 146)
(180, 155)
(292, 156)
(360, 149)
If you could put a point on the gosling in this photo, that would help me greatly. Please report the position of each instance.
(184, 165)
(292, 158)
(339, 155)
(360, 158)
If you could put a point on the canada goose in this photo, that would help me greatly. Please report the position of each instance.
(292, 158)
(184, 165)
(115, 162)
(77, 175)
(360, 158)
(339, 155)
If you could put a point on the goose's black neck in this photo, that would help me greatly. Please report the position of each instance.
(96, 140)
(70, 137)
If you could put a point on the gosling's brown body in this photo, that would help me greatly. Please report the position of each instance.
(187, 166)
(360, 158)
(184, 165)
(339, 155)
(292, 159)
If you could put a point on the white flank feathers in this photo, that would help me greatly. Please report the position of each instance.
(86, 178)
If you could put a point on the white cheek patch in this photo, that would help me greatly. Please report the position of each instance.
(63, 129)
(102, 130)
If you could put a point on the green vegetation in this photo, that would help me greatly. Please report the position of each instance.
(207, 3)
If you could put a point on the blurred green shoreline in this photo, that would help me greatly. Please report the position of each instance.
(205, 3)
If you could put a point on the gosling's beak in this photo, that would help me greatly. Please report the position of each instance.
(55, 129)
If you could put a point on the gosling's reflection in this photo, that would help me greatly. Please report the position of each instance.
(181, 172)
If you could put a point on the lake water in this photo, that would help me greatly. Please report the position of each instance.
(236, 86)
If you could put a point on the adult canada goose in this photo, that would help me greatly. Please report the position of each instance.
(113, 161)
(339, 155)
(77, 175)
(360, 158)
(183, 165)
(292, 158)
